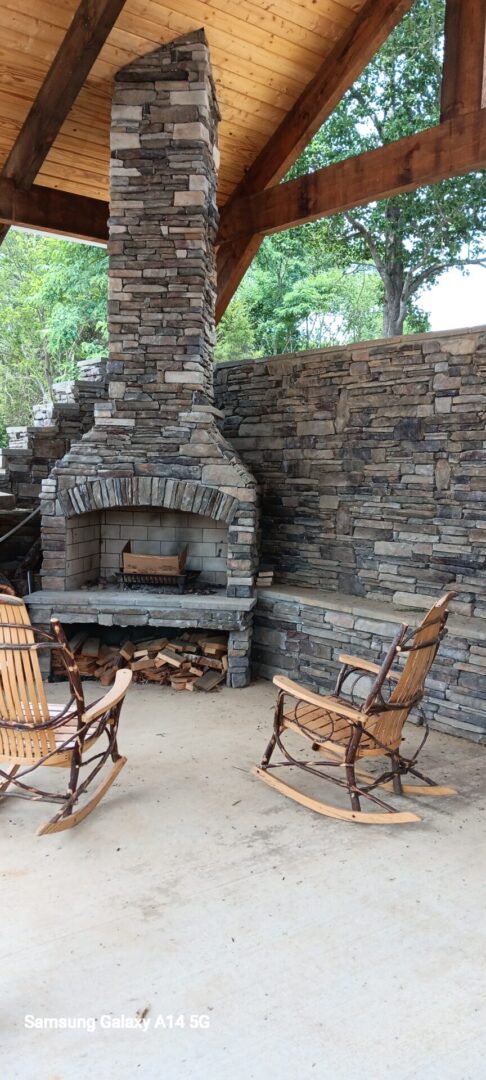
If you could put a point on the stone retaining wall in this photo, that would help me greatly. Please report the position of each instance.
(372, 464)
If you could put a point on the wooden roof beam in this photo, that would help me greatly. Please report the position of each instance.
(53, 211)
(463, 78)
(82, 43)
(352, 53)
(455, 147)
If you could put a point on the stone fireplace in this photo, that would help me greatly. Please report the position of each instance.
(155, 468)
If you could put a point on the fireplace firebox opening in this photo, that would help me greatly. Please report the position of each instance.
(95, 542)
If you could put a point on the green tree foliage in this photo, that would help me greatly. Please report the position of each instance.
(397, 248)
(236, 339)
(293, 298)
(411, 239)
(53, 312)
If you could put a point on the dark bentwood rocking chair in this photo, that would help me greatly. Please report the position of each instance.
(33, 733)
(344, 733)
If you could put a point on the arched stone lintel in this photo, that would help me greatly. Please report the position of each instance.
(150, 492)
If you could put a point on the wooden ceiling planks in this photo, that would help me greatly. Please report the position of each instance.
(264, 53)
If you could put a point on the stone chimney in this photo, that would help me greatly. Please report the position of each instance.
(155, 442)
(163, 225)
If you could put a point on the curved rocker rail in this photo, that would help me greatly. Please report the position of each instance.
(67, 818)
(390, 817)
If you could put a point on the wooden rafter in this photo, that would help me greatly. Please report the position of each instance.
(87, 33)
(350, 56)
(452, 148)
(464, 56)
(54, 211)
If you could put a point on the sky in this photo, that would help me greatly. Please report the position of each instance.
(457, 300)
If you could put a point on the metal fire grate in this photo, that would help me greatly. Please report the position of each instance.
(164, 583)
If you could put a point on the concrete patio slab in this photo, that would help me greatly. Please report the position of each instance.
(313, 948)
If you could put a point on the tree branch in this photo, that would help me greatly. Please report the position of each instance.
(370, 242)
(439, 268)
(361, 99)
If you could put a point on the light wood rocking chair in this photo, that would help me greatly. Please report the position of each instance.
(33, 733)
(344, 732)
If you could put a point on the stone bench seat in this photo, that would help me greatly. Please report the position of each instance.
(301, 633)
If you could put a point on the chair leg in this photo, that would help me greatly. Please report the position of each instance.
(67, 819)
(74, 775)
(396, 779)
(396, 785)
(349, 766)
(12, 773)
(115, 753)
(269, 751)
(429, 786)
(277, 724)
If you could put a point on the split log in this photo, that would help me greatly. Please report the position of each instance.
(127, 650)
(209, 680)
(91, 647)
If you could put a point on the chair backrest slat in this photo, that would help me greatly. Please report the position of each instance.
(387, 724)
(22, 695)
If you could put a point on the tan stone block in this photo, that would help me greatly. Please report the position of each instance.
(196, 131)
(189, 198)
(197, 182)
(188, 97)
(184, 377)
(124, 140)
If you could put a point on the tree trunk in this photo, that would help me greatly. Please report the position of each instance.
(393, 318)
(393, 273)
(394, 306)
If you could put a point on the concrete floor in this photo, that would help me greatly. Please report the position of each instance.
(316, 948)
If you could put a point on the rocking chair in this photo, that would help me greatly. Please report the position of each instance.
(344, 732)
(33, 733)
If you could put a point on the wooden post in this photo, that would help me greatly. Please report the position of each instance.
(463, 79)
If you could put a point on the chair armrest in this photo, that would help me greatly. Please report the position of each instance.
(367, 665)
(331, 703)
(113, 697)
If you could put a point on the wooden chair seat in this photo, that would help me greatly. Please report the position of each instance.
(67, 730)
(325, 726)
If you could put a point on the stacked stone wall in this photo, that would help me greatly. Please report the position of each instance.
(372, 464)
(33, 450)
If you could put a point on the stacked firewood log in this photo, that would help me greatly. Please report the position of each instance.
(193, 661)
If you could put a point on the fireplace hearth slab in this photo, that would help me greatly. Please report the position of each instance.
(125, 608)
